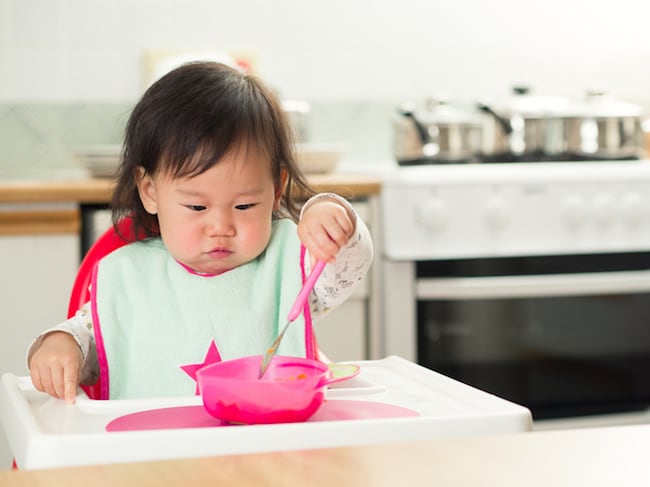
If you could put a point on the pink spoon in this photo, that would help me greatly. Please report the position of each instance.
(295, 311)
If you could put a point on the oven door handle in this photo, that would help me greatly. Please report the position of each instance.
(557, 285)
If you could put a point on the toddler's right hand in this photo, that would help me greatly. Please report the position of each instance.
(55, 366)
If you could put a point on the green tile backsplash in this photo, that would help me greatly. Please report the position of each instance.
(39, 139)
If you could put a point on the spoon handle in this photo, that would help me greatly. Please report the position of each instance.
(306, 289)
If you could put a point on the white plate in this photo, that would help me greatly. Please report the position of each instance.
(101, 161)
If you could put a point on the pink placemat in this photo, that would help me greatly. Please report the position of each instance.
(198, 417)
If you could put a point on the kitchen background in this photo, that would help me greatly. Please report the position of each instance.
(70, 70)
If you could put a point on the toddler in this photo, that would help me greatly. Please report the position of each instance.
(209, 178)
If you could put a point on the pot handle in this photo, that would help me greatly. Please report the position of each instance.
(429, 148)
(504, 122)
(422, 131)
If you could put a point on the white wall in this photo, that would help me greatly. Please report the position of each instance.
(69, 50)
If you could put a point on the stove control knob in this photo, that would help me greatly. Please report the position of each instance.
(603, 208)
(433, 214)
(496, 213)
(574, 210)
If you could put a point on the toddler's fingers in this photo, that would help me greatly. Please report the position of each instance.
(337, 233)
(36, 379)
(64, 381)
(347, 225)
(56, 387)
(48, 382)
(323, 249)
(70, 384)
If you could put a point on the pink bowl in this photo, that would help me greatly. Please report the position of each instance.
(291, 390)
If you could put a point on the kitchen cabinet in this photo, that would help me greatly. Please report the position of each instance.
(39, 256)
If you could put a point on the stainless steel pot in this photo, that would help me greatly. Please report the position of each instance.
(606, 128)
(527, 128)
(437, 133)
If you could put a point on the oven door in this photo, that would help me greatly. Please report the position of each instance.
(563, 335)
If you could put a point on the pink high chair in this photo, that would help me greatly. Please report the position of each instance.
(109, 241)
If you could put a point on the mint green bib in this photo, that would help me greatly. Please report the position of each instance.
(153, 315)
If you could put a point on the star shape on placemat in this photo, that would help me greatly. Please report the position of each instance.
(212, 356)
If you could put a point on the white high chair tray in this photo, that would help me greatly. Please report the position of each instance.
(46, 433)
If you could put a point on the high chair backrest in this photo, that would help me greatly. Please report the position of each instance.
(109, 241)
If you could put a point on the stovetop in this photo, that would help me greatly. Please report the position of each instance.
(532, 157)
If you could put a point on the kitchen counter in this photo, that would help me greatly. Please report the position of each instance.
(98, 191)
(593, 457)
(34, 206)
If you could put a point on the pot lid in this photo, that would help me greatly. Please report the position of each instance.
(439, 110)
(602, 105)
(524, 103)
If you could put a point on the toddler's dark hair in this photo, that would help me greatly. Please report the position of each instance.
(188, 120)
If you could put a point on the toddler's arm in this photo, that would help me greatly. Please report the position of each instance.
(351, 264)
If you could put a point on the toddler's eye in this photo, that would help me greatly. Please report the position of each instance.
(196, 207)
(245, 207)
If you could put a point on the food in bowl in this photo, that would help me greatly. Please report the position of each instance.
(291, 390)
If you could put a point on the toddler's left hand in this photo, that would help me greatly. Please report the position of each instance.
(325, 227)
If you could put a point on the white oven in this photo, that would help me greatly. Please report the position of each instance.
(528, 280)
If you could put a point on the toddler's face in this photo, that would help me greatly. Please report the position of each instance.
(220, 219)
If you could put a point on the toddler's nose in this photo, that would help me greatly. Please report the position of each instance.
(221, 226)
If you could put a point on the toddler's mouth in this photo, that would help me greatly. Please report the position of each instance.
(220, 253)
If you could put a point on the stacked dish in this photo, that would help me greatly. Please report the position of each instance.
(318, 158)
(100, 160)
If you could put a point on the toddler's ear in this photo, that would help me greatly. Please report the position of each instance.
(147, 191)
(279, 190)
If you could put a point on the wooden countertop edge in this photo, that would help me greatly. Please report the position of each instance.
(99, 191)
(82, 191)
(40, 222)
